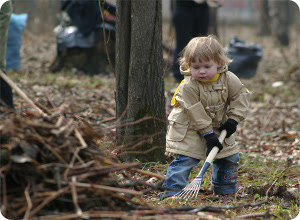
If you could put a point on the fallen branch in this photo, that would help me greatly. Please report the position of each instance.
(20, 92)
(220, 208)
(109, 188)
(265, 215)
(48, 200)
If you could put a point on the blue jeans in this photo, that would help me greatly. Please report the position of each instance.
(224, 175)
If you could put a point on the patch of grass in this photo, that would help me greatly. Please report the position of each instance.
(256, 177)
(285, 92)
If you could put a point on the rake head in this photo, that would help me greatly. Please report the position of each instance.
(190, 191)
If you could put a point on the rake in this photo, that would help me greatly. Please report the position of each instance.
(191, 190)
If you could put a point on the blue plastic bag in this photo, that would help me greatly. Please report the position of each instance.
(14, 40)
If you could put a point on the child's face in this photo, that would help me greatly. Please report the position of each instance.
(204, 71)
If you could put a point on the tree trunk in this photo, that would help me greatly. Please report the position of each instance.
(264, 19)
(279, 20)
(140, 80)
(213, 21)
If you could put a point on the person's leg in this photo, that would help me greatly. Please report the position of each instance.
(224, 175)
(201, 21)
(182, 20)
(6, 95)
(178, 173)
(5, 14)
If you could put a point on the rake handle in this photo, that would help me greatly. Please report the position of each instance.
(215, 150)
(211, 156)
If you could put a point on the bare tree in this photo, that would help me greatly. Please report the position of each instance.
(264, 18)
(279, 13)
(274, 19)
(140, 101)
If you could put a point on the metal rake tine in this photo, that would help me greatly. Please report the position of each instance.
(197, 190)
(198, 186)
(190, 188)
(180, 193)
(184, 191)
(187, 193)
(194, 189)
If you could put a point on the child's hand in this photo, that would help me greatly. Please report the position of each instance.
(212, 141)
(229, 126)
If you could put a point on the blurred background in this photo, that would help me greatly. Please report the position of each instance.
(249, 20)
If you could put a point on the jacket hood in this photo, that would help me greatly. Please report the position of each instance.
(187, 72)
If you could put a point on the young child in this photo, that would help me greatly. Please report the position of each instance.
(208, 100)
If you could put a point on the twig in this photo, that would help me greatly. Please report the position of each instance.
(71, 163)
(20, 92)
(59, 121)
(49, 199)
(4, 196)
(49, 147)
(219, 208)
(265, 215)
(75, 197)
(144, 172)
(267, 121)
(103, 170)
(141, 152)
(109, 188)
(87, 215)
(104, 36)
(80, 138)
(148, 173)
(274, 182)
(62, 129)
(50, 100)
(29, 203)
(138, 121)
(123, 114)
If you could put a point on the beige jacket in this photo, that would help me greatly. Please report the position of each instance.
(202, 107)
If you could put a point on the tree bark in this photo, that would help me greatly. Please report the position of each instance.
(213, 21)
(279, 11)
(140, 80)
(264, 19)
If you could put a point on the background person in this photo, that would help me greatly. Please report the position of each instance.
(190, 19)
(6, 95)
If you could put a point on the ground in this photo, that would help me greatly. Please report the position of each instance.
(269, 138)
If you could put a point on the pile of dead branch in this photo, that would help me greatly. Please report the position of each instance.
(52, 165)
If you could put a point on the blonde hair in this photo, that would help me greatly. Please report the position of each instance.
(205, 48)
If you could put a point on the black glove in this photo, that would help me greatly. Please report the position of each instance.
(212, 141)
(229, 126)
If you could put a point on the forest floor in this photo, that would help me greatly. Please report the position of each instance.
(269, 171)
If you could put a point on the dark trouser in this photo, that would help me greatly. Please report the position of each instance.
(189, 22)
(6, 95)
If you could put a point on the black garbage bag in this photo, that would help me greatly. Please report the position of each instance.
(245, 57)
